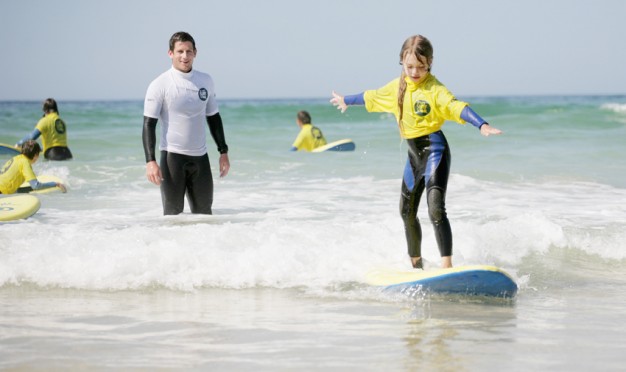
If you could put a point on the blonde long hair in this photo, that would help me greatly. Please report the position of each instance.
(421, 47)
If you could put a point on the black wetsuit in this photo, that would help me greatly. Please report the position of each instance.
(185, 174)
(58, 153)
(427, 168)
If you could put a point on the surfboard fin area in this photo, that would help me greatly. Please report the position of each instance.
(479, 280)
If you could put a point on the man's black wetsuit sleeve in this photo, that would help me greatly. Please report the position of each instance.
(149, 137)
(217, 132)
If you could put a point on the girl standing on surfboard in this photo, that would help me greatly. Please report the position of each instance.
(421, 104)
(19, 169)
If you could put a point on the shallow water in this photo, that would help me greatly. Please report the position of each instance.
(275, 279)
(286, 329)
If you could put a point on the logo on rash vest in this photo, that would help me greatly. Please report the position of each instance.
(422, 108)
(59, 126)
(203, 94)
(6, 166)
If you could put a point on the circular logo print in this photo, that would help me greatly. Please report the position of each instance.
(59, 126)
(422, 108)
(203, 94)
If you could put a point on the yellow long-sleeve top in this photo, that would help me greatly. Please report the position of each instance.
(309, 138)
(427, 105)
(53, 131)
(14, 173)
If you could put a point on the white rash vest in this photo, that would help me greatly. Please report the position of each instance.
(182, 101)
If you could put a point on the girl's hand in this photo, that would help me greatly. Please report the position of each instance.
(62, 187)
(338, 101)
(486, 130)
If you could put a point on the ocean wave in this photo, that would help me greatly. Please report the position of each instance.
(619, 108)
(285, 242)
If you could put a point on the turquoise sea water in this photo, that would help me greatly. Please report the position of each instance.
(275, 279)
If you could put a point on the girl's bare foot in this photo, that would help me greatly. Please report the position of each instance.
(446, 262)
(417, 262)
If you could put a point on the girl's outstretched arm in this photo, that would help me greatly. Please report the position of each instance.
(338, 101)
(473, 118)
(342, 102)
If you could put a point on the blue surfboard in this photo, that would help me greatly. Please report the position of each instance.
(8, 150)
(341, 145)
(478, 280)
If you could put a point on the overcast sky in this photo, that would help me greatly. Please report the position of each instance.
(79, 49)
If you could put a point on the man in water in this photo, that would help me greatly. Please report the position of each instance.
(310, 137)
(183, 99)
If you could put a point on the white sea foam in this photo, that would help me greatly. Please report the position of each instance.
(615, 107)
(294, 233)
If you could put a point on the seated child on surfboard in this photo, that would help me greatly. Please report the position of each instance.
(310, 137)
(19, 169)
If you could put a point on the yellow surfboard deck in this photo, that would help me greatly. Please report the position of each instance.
(18, 207)
(25, 187)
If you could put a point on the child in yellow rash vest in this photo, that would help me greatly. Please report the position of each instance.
(310, 137)
(421, 105)
(53, 132)
(19, 169)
